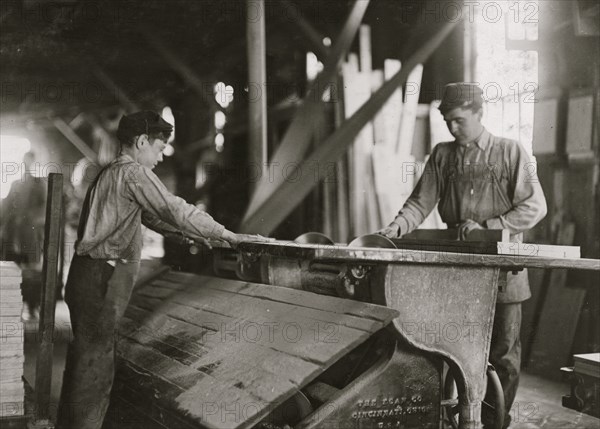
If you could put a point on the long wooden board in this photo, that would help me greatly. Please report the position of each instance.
(202, 342)
(402, 256)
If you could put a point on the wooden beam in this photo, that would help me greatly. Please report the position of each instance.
(68, 132)
(298, 136)
(274, 209)
(52, 244)
(257, 76)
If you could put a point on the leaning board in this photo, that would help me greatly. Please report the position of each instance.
(224, 353)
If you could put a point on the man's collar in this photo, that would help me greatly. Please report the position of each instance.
(126, 157)
(483, 141)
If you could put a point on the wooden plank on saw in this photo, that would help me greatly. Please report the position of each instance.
(545, 250)
(553, 340)
(452, 246)
(489, 235)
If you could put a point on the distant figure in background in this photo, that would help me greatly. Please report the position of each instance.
(23, 217)
(480, 181)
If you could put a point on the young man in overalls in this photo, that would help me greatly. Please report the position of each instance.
(480, 181)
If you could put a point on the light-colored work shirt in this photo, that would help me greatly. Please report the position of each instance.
(126, 194)
(491, 181)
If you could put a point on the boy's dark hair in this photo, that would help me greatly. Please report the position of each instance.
(145, 122)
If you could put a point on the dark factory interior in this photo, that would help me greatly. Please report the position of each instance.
(280, 214)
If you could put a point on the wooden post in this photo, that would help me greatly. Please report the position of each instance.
(43, 370)
(257, 78)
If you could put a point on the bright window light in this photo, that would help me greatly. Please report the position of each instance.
(220, 120)
(219, 142)
(12, 149)
(223, 94)
(509, 78)
(167, 115)
(169, 150)
(313, 66)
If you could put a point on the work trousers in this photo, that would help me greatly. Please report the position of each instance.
(505, 352)
(97, 295)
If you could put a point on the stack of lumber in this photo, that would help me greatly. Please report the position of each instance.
(587, 364)
(585, 384)
(383, 164)
(11, 339)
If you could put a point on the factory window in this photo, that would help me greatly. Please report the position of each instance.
(506, 66)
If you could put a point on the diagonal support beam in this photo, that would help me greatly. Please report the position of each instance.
(75, 140)
(290, 193)
(298, 136)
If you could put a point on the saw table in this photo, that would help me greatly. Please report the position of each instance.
(314, 336)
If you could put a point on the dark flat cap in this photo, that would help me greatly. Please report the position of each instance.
(141, 123)
(461, 94)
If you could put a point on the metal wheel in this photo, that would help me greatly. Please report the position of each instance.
(492, 406)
